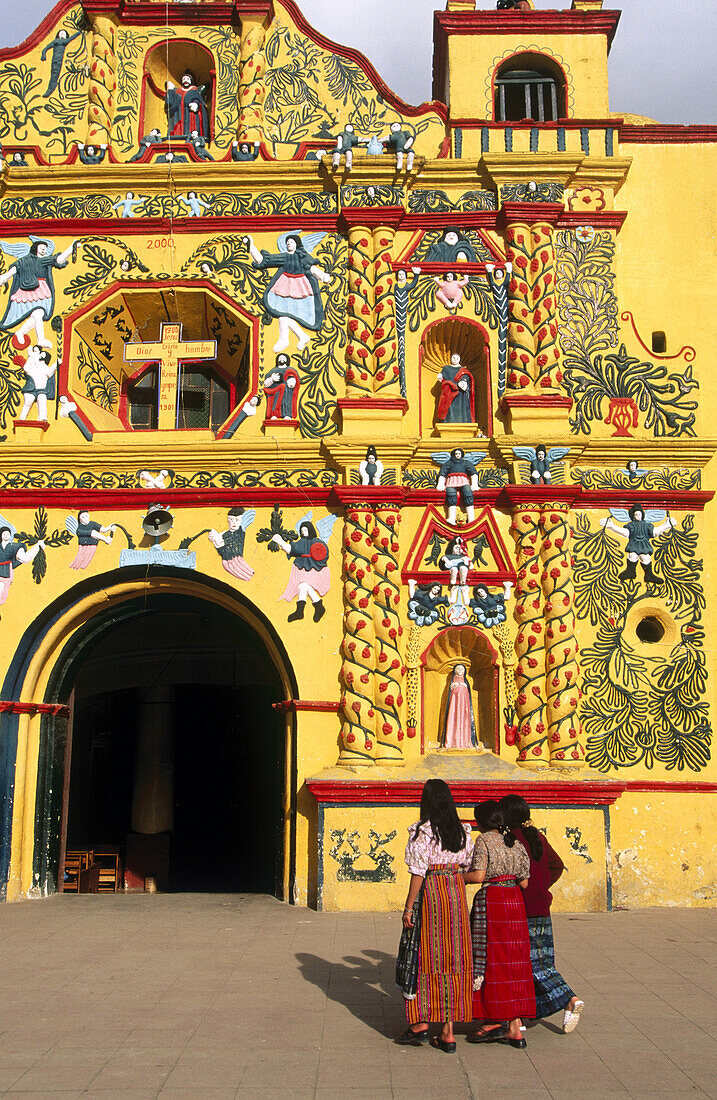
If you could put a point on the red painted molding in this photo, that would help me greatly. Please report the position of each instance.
(666, 135)
(374, 402)
(145, 14)
(598, 219)
(474, 219)
(11, 706)
(140, 499)
(542, 495)
(528, 213)
(552, 792)
(373, 216)
(43, 425)
(137, 227)
(683, 786)
(687, 500)
(535, 401)
(369, 496)
(509, 23)
(294, 705)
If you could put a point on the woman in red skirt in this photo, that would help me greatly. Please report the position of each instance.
(502, 975)
(434, 965)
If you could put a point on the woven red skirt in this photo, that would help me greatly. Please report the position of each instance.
(507, 990)
(445, 972)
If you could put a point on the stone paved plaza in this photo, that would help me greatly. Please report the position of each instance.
(226, 995)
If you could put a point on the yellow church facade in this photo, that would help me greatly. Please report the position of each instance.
(347, 444)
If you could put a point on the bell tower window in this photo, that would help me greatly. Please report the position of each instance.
(525, 89)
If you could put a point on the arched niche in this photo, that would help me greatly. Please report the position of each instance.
(167, 62)
(468, 646)
(439, 342)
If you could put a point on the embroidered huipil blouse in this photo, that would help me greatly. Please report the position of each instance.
(424, 851)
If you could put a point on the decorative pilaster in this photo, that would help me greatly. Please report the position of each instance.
(531, 704)
(562, 669)
(386, 380)
(390, 669)
(252, 69)
(103, 82)
(520, 336)
(359, 370)
(358, 717)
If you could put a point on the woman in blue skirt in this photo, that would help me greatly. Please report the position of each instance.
(552, 993)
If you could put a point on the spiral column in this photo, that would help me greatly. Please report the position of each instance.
(390, 668)
(252, 71)
(520, 336)
(359, 370)
(531, 703)
(103, 82)
(544, 319)
(358, 716)
(386, 380)
(562, 670)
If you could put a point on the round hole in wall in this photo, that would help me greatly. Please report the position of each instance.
(650, 629)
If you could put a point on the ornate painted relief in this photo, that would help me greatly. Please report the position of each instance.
(645, 703)
(607, 385)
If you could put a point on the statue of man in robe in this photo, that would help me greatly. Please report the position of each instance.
(186, 108)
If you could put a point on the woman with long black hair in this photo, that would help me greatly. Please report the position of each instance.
(502, 977)
(434, 965)
(552, 992)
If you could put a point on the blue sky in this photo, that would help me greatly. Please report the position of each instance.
(661, 64)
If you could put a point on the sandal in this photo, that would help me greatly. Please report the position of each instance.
(486, 1034)
(441, 1044)
(571, 1019)
(413, 1038)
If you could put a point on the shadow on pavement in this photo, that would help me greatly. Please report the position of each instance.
(360, 983)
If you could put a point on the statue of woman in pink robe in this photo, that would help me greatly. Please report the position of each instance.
(459, 730)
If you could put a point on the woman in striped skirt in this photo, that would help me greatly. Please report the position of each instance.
(552, 992)
(434, 968)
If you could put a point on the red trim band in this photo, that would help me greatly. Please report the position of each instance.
(666, 135)
(292, 705)
(11, 706)
(546, 792)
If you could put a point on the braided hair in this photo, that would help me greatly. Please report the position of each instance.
(516, 812)
(489, 816)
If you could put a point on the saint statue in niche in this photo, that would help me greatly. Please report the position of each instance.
(459, 727)
(282, 390)
(456, 404)
(186, 108)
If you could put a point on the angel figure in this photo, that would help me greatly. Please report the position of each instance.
(88, 533)
(450, 289)
(459, 726)
(456, 560)
(310, 577)
(230, 543)
(13, 554)
(32, 291)
(458, 475)
(539, 460)
(293, 295)
(633, 471)
(371, 469)
(638, 527)
(424, 602)
(489, 608)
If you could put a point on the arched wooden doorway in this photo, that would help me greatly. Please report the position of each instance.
(174, 753)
